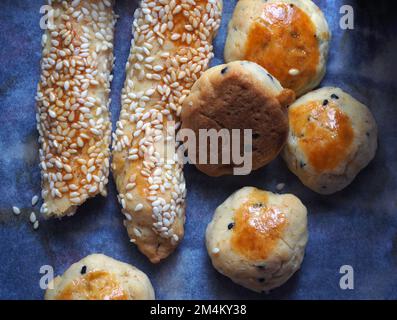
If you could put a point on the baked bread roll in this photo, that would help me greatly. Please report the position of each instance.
(98, 277)
(171, 48)
(238, 95)
(72, 103)
(257, 238)
(289, 38)
(332, 138)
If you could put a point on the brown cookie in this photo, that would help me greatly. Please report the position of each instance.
(239, 95)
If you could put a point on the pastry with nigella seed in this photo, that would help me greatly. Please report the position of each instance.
(258, 238)
(98, 277)
(332, 137)
(289, 38)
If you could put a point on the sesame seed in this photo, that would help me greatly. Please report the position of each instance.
(129, 196)
(16, 210)
(174, 239)
(215, 250)
(280, 186)
(294, 72)
(32, 217)
(35, 199)
(75, 200)
(137, 232)
(130, 186)
(93, 189)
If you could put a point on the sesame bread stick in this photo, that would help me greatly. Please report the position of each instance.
(171, 48)
(73, 117)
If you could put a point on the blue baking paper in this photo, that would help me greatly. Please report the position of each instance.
(354, 227)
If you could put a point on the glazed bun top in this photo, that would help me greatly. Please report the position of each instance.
(258, 226)
(99, 277)
(332, 137)
(289, 38)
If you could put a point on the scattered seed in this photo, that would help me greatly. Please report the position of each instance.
(32, 217)
(35, 199)
(280, 186)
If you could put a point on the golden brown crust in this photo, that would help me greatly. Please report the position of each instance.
(99, 277)
(233, 98)
(290, 38)
(332, 138)
(172, 46)
(72, 104)
(264, 252)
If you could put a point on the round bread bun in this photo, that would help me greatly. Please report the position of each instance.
(332, 138)
(289, 38)
(239, 95)
(258, 238)
(98, 277)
